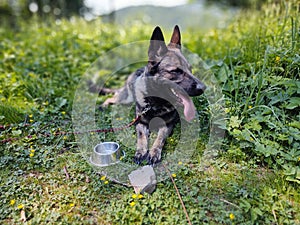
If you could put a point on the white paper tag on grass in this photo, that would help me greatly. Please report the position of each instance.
(143, 180)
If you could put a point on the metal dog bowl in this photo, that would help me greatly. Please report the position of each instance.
(106, 154)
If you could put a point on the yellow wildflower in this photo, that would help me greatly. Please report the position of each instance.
(32, 150)
(277, 59)
(12, 202)
(31, 120)
(30, 116)
(63, 112)
(179, 163)
(140, 196)
(31, 155)
(174, 175)
(106, 182)
(134, 196)
(132, 203)
(72, 204)
(231, 216)
(249, 106)
(20, 206)
(103, 178)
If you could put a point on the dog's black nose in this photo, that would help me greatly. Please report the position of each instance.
(197, 89)
(201, 86)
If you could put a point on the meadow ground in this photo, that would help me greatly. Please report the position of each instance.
(255, 177)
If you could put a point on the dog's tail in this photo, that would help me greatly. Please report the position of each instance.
(94, 88)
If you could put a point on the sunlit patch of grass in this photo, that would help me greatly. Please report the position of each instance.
(10, 114)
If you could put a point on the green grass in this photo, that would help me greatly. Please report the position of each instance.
(255, 177)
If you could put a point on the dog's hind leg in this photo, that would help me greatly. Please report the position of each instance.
(123, 95)
(94, 88)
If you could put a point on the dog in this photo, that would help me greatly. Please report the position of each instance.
(160, 90)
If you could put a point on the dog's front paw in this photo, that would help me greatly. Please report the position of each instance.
(140, 156)
(154, 156)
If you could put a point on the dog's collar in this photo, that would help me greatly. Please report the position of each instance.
(147, 108)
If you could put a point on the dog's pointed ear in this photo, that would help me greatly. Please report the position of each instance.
(176, 38)
(157, 46)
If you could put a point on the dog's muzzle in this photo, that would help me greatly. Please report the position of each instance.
(197, 89)
(201, 87)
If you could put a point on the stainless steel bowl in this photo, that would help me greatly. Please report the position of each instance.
(105, 154)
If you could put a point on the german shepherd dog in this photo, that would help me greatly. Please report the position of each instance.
(159, 91)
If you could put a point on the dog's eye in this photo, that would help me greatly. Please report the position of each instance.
(176, 71)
